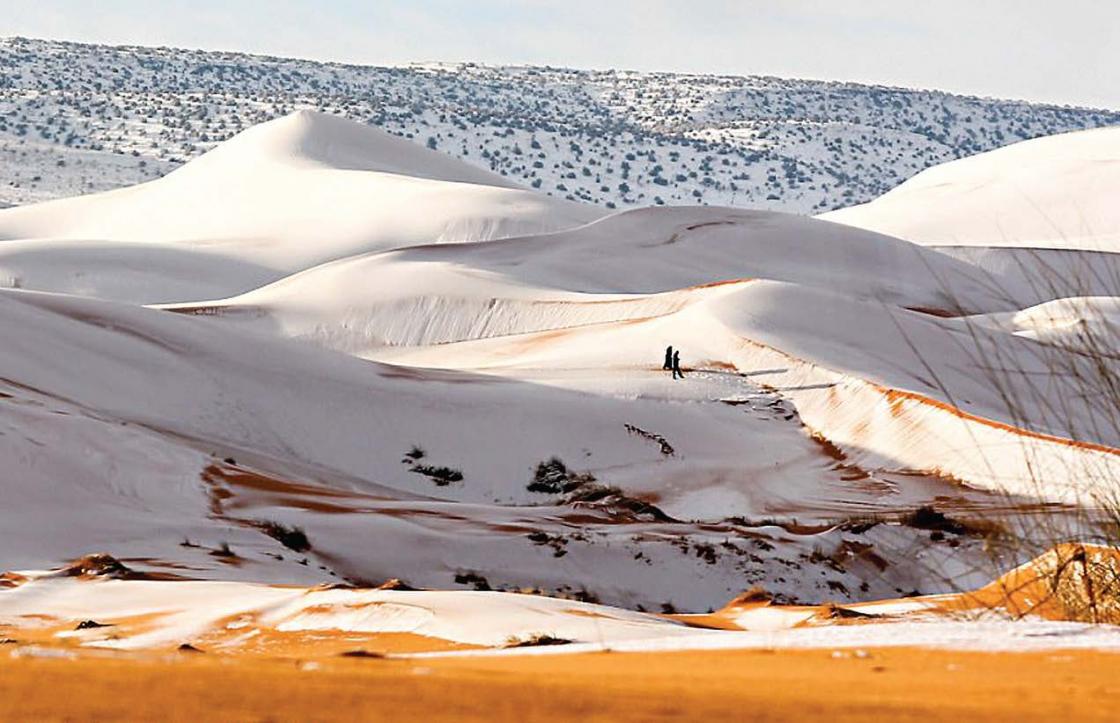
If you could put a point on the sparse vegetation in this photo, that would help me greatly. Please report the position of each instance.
(365, 654)
(928, 518)
(291, 537)
(557, 542)
(662, 443)
(478, 582)
(635, 140)
(223, 550)
(441, 475)
(553, 477)
(535, 640)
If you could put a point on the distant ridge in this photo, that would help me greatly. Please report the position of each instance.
(610, 138)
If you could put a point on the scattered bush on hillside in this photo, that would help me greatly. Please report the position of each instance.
(478, 582)
(440, 474)
(554, 477)
(291, 537)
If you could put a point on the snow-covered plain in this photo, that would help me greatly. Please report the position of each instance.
(432, 374)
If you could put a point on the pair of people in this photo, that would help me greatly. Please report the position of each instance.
(673, 362)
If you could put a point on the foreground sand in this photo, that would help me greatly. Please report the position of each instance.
(890, 684)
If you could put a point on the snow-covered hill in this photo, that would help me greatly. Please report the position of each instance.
(277, 198)
(79, 118)
(1057, 192)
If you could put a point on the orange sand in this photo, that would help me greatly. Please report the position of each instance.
(892, 684)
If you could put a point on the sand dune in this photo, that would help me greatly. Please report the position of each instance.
(280, 197)
(1054, 193)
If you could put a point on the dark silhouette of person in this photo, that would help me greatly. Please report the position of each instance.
(677, 373)
(668, 359)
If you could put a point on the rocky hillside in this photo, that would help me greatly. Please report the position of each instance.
(78, 118)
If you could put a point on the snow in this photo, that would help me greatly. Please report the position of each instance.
(193, 393)
(263, 336)
(1056, 192)
(188, 610)
(989, 637)
(592, 274)
(78, 118)
(229, 614)
(280, 197)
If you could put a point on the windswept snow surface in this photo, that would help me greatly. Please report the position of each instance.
(322, 354)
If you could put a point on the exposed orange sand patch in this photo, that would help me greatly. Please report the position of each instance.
(1071, 582)
(239, 637)
(725, 282)
(319, 644)
(11, 579)
(891, 684)
(58, 633)
(248, 479)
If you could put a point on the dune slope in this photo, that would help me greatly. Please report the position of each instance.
(1055, 192)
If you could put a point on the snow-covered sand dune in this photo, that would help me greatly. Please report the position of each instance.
(161, 400)
(1057, 192)
(323, 353)
(131, 612)
(631, 265)
(858, 332)
(278, 198)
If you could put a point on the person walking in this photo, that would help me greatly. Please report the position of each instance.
(677, 373)
(668, 359)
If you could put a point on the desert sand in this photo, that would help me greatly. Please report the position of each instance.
(888, 684)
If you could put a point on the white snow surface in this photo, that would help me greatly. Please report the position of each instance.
(278, 198)
(1056, 192)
